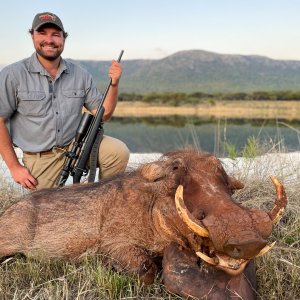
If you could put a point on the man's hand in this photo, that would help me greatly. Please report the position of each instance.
(115, 72)
(21, 175)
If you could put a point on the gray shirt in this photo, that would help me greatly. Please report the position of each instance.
(43, 112)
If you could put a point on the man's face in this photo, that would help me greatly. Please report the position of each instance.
(48, 42)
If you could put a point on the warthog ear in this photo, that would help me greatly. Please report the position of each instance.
(159, 170)
(234, 184)
(153, 171)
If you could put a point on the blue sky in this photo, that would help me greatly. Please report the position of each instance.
(157, 28)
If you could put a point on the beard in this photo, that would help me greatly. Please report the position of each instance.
(49, 55)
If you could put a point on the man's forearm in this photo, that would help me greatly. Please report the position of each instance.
(110, 102)
(115, 72)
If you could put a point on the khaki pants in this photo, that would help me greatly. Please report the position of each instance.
(46, 167)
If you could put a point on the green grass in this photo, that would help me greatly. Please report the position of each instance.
(22, 278)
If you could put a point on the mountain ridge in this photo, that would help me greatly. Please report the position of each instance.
(198, 70)
(195, 70)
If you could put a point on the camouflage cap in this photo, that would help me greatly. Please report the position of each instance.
(46, 18)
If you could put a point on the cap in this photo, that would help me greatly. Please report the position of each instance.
(46, 18)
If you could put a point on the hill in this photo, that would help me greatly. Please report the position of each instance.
(197, 70)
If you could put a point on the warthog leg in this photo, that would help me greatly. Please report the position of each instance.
(134, 260)
(183, 275)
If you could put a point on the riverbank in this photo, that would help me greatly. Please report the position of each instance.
(287, 110)
(285, 166)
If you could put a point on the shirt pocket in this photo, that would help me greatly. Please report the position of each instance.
(32, 103)
(73, 100)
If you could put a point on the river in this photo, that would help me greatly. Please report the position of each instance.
(161, 134)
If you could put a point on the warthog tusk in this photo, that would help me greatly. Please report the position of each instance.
(266, 249)
(231, 265)
(280, 202)
(278, 216)
(209, 260)
(186, 216)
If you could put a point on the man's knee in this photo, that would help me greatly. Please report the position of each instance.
(113, 157)
(121, 151)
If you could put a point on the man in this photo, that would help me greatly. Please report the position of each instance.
(42, 98)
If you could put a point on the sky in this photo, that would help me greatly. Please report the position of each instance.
(153, 29)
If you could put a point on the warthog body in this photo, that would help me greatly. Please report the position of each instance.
(133, 219)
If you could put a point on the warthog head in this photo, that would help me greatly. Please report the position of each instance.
(227, 235)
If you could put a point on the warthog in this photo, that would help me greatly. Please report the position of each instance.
(177, 207)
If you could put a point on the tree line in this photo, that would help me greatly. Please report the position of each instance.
(197, 97)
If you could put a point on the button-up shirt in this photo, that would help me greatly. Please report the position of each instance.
(45, 112)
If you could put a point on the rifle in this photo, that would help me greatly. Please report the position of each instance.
(87, 140)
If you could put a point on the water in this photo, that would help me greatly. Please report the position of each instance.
(147, 137)
(161, 134)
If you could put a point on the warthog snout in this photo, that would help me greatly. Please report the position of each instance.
(244, 249)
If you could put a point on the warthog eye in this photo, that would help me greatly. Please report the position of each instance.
(200, 215)
(177, 164)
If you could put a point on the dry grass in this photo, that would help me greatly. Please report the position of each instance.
(288, 110)
(278, 272)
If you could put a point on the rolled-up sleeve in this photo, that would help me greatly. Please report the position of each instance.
(7, 93)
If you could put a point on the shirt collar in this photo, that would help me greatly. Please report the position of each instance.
(36, 67)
